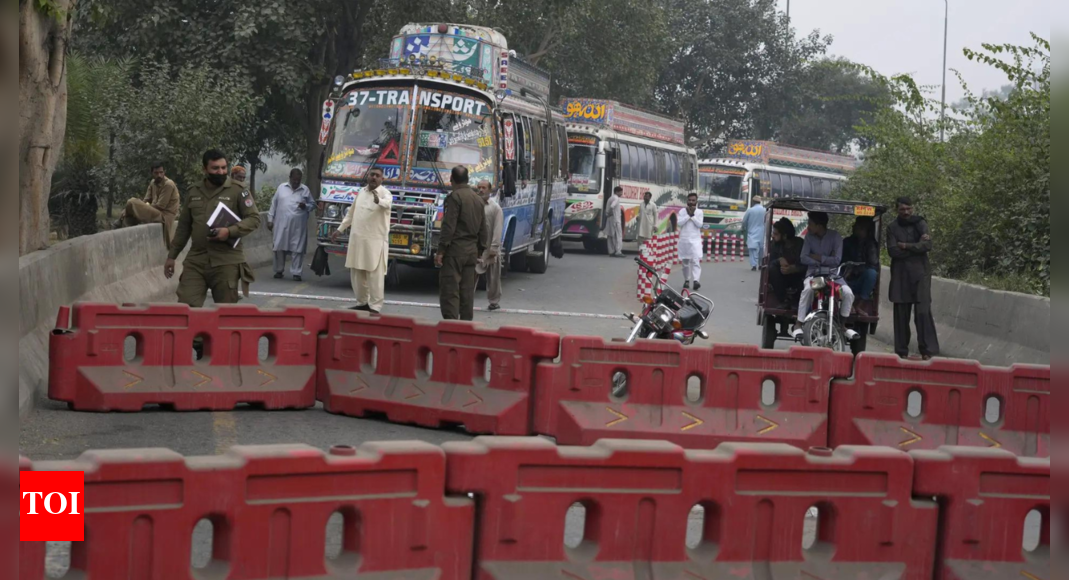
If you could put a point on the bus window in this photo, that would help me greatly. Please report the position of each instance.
(538, 160)
(777, 185)
(644, 164)
(673, 169)
(522, 162)
(625, 162)
(801, 186)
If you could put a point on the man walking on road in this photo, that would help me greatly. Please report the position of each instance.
(213, 262)
(490, 262)
(463, 239)
(647, 219)
(160, 205)
(368, 222)
(690, 223)
(753, 223)
(288, 220)
(908, 243)
(614, 225)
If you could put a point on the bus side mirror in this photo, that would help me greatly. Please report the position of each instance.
(601, 160)
(508, 180)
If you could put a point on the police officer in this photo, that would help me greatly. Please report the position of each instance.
(463, 239)
(213, 263)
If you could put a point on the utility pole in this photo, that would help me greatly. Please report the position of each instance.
(788, 10)
(943, 111)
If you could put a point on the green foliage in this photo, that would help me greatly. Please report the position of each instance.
(986, 190)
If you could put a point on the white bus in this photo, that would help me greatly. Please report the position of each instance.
(610, 145)
(726, 185)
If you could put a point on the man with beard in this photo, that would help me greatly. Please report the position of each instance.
(908, 243)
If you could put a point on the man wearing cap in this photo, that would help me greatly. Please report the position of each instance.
(753, 223)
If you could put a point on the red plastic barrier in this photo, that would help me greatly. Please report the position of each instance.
(641, 516)
(90, 371)
(952, 398)
(986, 496)
(430, 374)
(746, 394)
(269, 508)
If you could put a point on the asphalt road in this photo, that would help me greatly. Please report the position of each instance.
(574, 288)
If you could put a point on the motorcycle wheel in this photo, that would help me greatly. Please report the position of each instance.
(815, 333)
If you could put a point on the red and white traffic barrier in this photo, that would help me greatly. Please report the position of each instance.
(662, 252)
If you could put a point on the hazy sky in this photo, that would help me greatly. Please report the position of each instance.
(906, 36)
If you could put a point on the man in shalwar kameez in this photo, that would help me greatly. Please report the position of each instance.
(288, 220)
(368, 222)
(691, 219)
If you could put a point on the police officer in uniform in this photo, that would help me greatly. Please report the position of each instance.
(463, 239)
(213, 263)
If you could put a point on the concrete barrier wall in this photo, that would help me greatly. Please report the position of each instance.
(116, 266)
(996, 328)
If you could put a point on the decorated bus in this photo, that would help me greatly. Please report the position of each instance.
(726, 185)
(611, 144)
(448, 95)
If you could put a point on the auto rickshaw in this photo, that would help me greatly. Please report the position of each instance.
(776, 318)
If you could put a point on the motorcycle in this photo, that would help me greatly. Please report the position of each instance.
(669, 315)
(824, 326)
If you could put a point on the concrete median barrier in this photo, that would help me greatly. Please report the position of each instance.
(118, 266)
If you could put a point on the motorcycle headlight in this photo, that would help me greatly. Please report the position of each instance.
(818, 284)
(333, 211)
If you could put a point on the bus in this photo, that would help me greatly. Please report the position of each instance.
(611, 144)
(726, 185)
(448, 95)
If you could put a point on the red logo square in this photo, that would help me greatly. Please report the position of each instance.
(52, 506)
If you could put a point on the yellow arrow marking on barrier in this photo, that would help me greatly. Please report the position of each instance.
(135, 380)
(363, 385)
(914, 438)
(270, 377)
(205, 379)
(772, 426)
(620, 417)
(477, 400)
(1030, 576)
(417, 395)
(994, 444)
(695, 422)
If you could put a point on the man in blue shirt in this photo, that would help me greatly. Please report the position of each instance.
(822, 253)
(753, 223)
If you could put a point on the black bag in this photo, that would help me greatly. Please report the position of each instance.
(320, 262)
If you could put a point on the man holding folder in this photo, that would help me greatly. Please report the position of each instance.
(218, 212)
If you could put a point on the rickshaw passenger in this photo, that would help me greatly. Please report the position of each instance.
(862, 247)
(785, 272)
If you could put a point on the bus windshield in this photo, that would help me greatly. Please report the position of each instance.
(720, 181)
(367, 131)
(582, 164)
(452, 130)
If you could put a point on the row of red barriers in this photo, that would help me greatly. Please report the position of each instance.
(506, 382)
(623, 510)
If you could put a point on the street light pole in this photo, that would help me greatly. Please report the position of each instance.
(788, 10)
(943, 111)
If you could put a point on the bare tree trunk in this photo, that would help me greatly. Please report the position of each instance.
(42, 114)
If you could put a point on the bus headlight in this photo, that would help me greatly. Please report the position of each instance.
(333, 211)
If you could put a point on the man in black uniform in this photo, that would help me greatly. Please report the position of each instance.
(463, 239)
(908, 243)
(213, 263)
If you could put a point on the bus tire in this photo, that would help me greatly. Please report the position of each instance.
(539, 263)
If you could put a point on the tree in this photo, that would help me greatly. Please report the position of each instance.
(832, 97)
(986, 190)
(44, 33)
(733, 67)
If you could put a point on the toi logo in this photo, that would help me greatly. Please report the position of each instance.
(52, 506)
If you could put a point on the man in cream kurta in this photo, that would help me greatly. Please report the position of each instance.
(368, 222)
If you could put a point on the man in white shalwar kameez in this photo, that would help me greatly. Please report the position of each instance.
(614, 227)
(647, 219)
(288, 221)
(368, 222)
(690, 242)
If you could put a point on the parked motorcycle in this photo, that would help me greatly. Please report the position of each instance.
(669, 315)
(824, 326)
